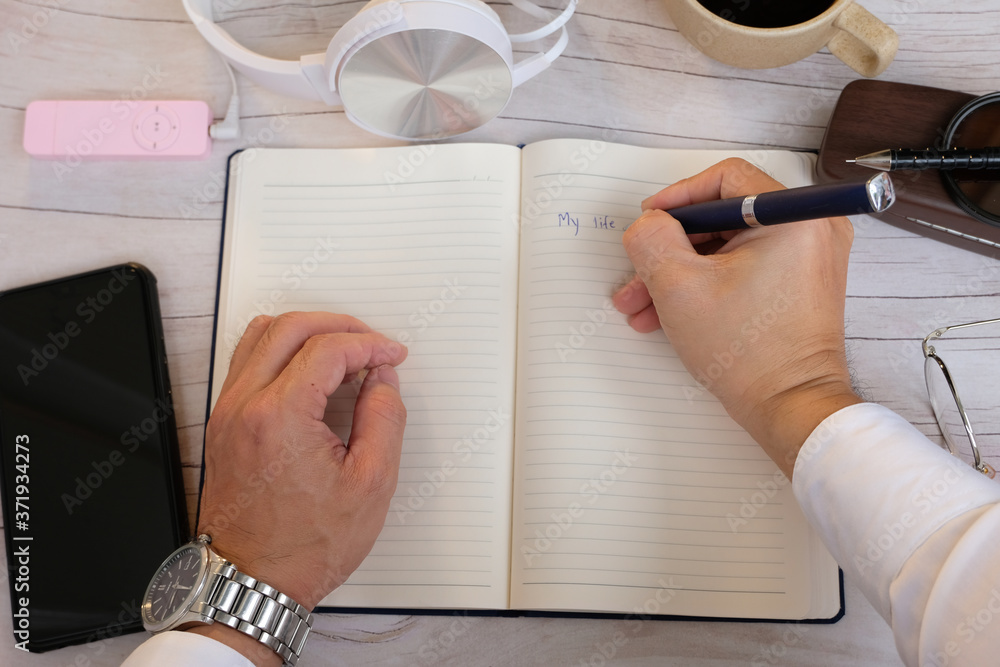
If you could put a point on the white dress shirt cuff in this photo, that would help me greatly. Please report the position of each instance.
(877, 489)
(185, 648)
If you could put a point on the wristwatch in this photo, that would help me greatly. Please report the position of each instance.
(195, 585)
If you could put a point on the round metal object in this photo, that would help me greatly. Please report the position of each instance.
(425, 84)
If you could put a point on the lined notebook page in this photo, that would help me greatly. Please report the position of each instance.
(419, 243)
(625, 470)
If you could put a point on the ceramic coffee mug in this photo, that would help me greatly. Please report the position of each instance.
(757, 34)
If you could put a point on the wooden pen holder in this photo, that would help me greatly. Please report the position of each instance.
(876, 115)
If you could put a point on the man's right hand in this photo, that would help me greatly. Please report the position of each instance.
(759, 321)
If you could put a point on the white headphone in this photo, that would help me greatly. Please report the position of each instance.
(407, 69)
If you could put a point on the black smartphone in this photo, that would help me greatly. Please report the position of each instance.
(93, 499)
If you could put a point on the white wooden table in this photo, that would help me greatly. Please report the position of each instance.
(626, 69)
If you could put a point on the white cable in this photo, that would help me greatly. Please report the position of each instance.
(229, 127)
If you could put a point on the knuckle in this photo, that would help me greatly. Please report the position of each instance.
(290, 320)
(258, 414)
(738, 163)
(354, 324)
(740, 169)
(309, 353)
(260, 322)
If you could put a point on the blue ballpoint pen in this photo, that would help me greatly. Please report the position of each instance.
(796, 204)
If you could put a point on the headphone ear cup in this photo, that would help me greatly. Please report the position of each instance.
(444, 68)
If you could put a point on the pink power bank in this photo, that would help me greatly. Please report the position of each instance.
(118, 130)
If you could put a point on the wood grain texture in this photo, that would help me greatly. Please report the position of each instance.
(627, 76)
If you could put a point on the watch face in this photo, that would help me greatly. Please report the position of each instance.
(174, 585)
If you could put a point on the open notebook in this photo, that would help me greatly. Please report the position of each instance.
(554, 459)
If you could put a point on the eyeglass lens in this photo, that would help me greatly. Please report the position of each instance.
(979, 188)
(946, 409)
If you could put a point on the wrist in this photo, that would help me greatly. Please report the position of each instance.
(271, 568)
(782, 423)
(199, 590)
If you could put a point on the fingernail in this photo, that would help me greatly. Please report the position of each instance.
(387, 374)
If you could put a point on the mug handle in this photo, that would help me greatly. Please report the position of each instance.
(863, 42)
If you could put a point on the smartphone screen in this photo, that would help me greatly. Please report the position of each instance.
(92, 494)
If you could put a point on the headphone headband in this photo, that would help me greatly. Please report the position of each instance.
(282, 76)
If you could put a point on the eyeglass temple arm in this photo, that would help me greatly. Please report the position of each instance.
(937, 333)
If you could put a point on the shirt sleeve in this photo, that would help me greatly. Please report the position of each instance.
(185, 648)
(917, 529)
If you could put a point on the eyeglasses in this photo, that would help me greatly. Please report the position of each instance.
(948, 408)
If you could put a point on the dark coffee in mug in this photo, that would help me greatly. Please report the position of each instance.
(767, 13)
